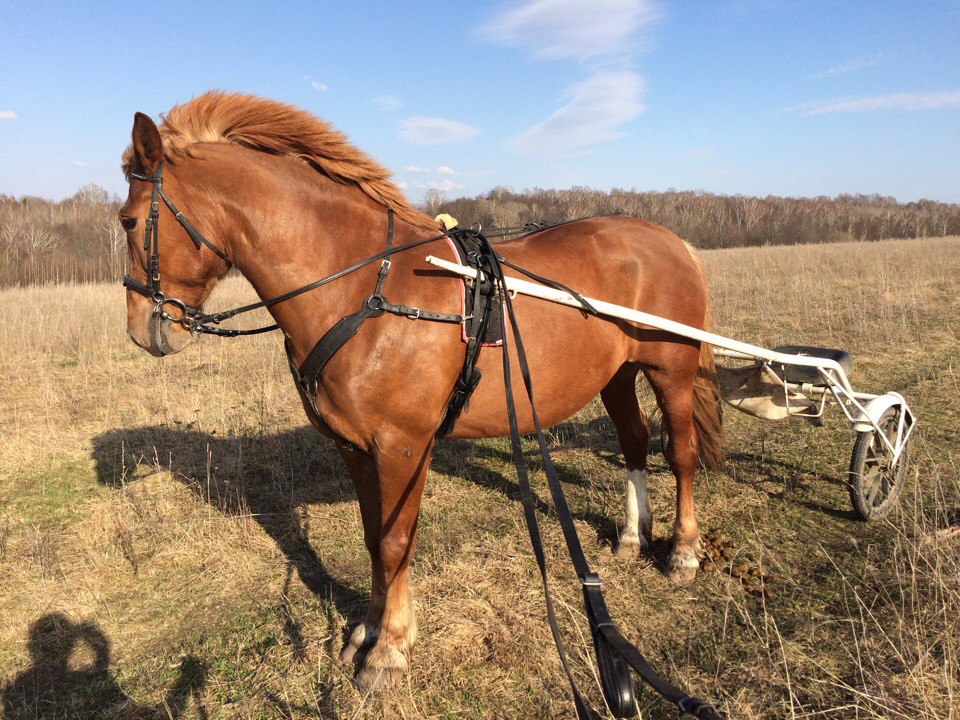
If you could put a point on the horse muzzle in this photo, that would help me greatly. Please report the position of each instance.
(157, 334)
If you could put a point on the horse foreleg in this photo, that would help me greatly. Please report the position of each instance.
(390, 508)
(363, 472)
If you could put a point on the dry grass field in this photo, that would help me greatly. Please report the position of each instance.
(176, 542)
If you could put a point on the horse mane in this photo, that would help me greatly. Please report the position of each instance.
(280, 129)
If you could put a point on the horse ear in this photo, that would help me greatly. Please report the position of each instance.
(147, 145)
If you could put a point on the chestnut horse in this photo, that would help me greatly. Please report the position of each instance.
(287, 200)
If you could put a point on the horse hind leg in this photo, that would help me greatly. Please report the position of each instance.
(673, 384)
(620, 400)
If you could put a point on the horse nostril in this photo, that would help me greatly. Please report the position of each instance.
(129, 223)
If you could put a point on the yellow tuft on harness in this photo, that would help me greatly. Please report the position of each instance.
(447, 222)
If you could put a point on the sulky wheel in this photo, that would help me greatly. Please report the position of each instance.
(875, 483)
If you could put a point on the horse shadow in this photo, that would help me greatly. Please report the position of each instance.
(272, 477)
(52, 688)
(269, 477)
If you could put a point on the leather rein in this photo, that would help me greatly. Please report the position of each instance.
(192, 317)
(616, 656)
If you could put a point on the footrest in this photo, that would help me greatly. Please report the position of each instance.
(801, 374)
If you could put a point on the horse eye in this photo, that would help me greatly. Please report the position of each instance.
(129, 223)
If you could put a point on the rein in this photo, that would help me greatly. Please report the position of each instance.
(193, 318)
(616, 655)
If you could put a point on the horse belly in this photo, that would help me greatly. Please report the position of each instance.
(571, 358)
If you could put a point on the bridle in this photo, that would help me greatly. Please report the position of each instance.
(191, 316)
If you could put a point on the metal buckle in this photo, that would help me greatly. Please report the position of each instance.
(591, 580)
(414, 315)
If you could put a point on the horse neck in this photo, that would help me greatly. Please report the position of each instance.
(289, 226)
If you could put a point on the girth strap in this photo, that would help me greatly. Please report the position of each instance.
(475, 248)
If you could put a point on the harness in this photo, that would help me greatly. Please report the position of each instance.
(616, 656)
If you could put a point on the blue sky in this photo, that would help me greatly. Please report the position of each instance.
(746, 96)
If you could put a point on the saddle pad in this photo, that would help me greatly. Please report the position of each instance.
(493, 332)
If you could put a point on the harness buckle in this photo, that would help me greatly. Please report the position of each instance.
(414, 315)
(591, 580)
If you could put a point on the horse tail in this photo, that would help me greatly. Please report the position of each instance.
(707, 416)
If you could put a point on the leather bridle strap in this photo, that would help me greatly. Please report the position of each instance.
(151, 244)
(197, 322)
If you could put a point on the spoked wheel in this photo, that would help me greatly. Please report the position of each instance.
(875, 482)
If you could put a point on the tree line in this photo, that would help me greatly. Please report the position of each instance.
(79, 239)
(75, 240)
(716, 221)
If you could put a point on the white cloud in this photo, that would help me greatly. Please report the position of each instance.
(445, 170)
(416, 169)
(388, 102)
(402, 185)
(435, 131)
(317, 85)
(8, 115)
(860, 63)
(596, 109)
(445, 185)
(81, 163)
(580, 29)
(893, 101)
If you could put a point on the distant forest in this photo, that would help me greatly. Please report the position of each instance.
(80, 240)
(716, 221)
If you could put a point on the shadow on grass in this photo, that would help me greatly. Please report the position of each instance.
(51, 688)
(268, 476)
(272, 476)
(790, 474)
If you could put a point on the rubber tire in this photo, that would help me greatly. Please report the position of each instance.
(858, 459)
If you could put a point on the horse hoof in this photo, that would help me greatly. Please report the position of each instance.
(371, 680)
(382, 668)
(682, 569)
(627, 549)
(361, 638)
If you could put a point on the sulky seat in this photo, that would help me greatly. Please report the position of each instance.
(800, 374)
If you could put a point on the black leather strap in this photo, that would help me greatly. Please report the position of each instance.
(340, 334)
(614, 653)
(415, 313)
(332, 340)
(195, 236)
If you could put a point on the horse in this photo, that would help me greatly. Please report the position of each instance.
(285, 199)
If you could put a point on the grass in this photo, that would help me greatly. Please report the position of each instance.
(178, 517)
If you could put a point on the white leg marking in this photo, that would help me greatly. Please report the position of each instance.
(638, 520)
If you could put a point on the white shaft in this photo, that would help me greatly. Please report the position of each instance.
(515, 285)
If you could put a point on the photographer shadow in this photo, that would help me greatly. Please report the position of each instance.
(50, 688)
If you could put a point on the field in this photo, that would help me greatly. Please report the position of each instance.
(176, 542)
